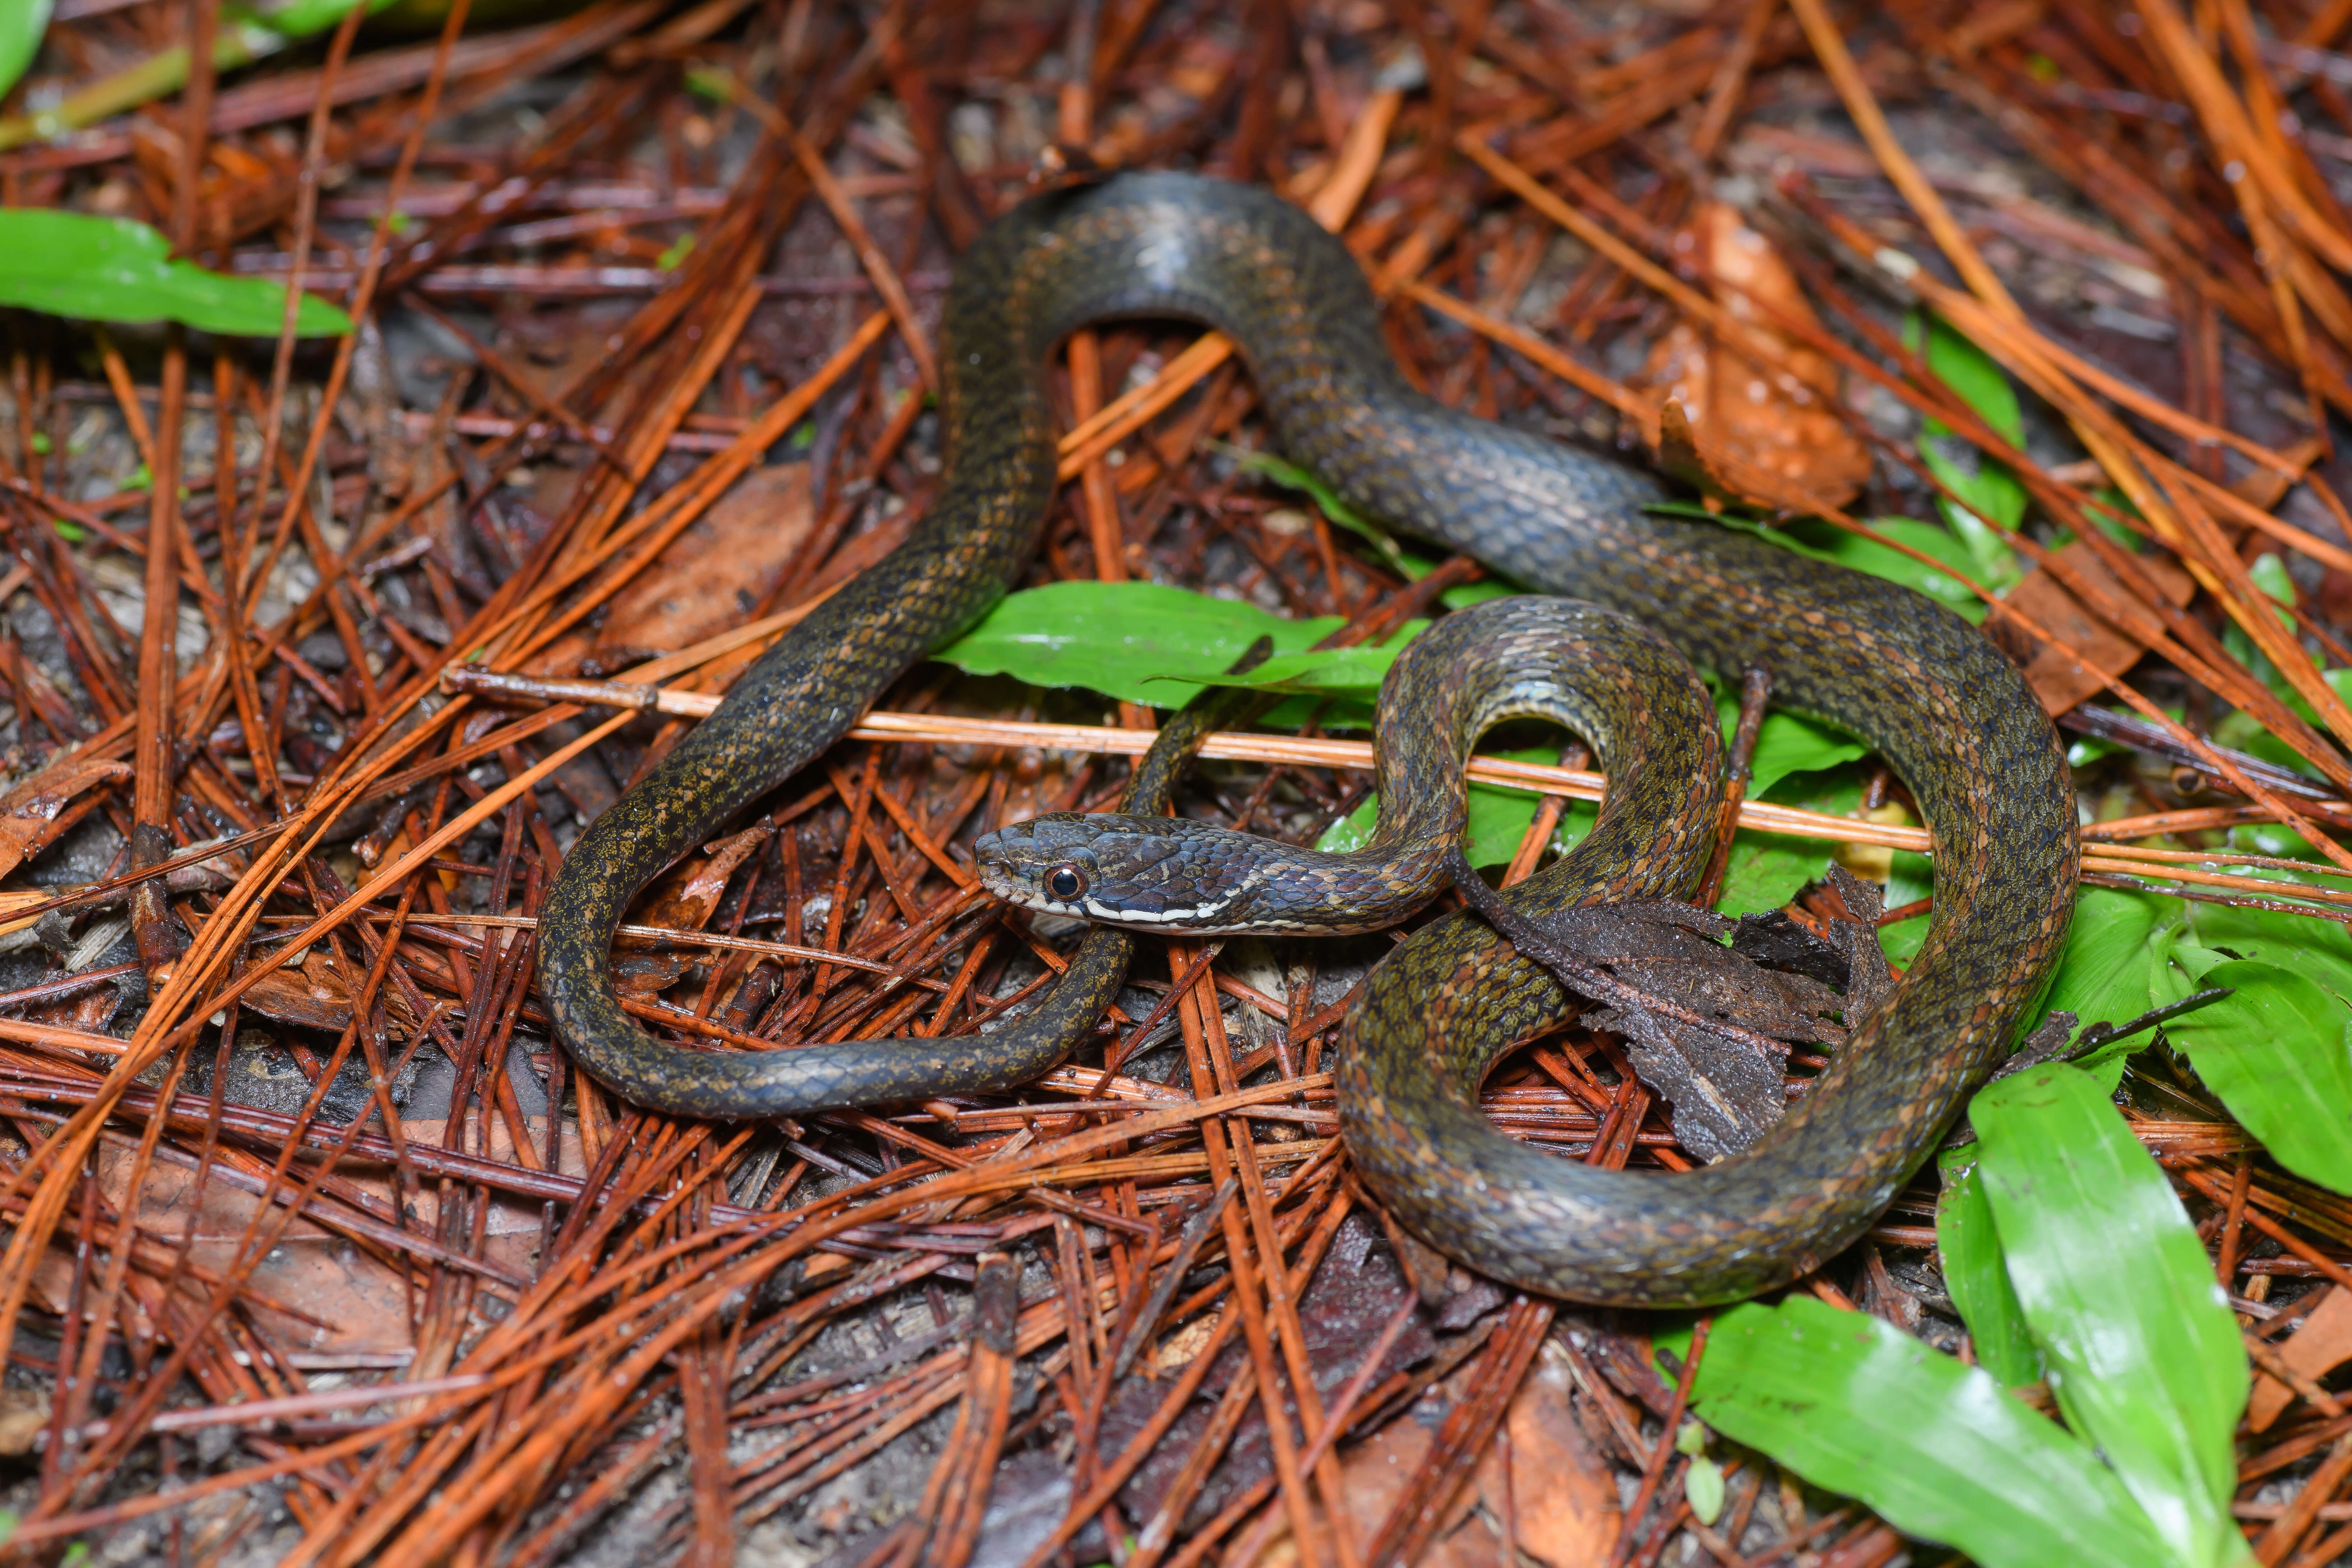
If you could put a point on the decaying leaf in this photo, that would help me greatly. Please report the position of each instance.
(2314, 1349)
(1706, 1025)
(708, 580)
(1564, 1491)
(23, 1412)
(2106, 625)
(1768, 432)
(27, 811)
(694, 890)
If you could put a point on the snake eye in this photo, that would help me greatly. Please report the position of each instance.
(1064, 882)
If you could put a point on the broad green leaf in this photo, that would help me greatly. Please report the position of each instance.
(2279, 1052)
(1940, 1450)
(1786, 743)
(112, 269)
(1910, 878)
(2318, 949)
(300, 18)
(1338, 672)
(1971, 372)
(1764, 870)
(1826, 541)
(2109, 970)
(1120, 639)
(1977, 1275)
(1498, 818)
(22, 23)
(2143, 1356)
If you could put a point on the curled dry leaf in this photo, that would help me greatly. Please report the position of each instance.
(1760, 416)
(694, 890)
(1705, 1023)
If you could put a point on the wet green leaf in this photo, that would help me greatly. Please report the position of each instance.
(112, 269)
(300, 18)
(1826, 541)
(1976, 1275)
(1786, 743)
(2143, 1356)
(1940, 1450)
(22, 23)
(2279, 1052)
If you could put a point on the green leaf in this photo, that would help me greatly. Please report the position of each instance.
(1977, 1275)
(2143, 1356)
(1987, 487)
(1940, 1450)
(1703, 1489)
(112, 269)
(2109, 970)
(1766, 869)
(22, 23)
(1910, 878)
(2318, 949)
(1498, 818)
(1826, 541)
(2279, 1052)
(1786, 743)
(1120, 639)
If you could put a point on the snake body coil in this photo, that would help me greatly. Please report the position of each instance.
(1948, 714)
(1600, 674)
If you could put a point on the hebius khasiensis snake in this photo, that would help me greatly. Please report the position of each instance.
(1951, 717)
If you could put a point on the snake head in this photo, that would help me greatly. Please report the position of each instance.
(1045, 863)
(1151, 873)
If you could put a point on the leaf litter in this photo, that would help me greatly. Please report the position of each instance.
(620, 386)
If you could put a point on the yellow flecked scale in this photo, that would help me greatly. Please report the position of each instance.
(1949, 714)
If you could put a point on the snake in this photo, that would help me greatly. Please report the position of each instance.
(1950, 716)
(1598, 673)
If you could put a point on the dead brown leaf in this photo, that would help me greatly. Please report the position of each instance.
(715, 573)
(694, 890)
(2314, 1349)
(1780, 445)
(2110, 636)
(23, 1412)
(1563, 1498)
(26, 811)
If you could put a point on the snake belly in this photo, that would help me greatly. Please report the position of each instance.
(1599, 673)
(1953, 719)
